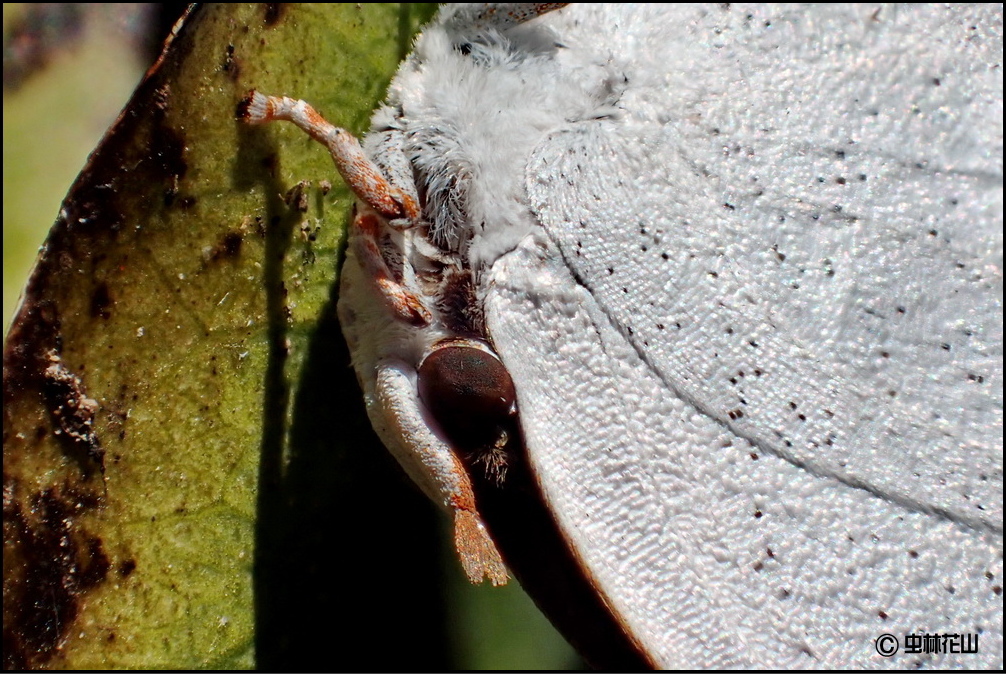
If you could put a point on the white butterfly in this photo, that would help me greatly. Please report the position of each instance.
(744, 268)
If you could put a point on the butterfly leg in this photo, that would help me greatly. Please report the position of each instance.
(361, 174)
(388, 197)
(436, 468)
(367, 180)
(403, 302)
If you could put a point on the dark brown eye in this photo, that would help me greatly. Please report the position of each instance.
(469, 392)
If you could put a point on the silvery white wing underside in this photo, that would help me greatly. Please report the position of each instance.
(757, 342)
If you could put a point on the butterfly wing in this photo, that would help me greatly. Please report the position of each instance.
(758, 347)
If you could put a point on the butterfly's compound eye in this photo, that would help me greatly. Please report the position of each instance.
(469, 393)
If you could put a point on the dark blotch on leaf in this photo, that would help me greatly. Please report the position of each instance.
(168, 148)
(228, 247)
(230, 65)
(72, 413)
(274, 12)
(54, 561)
(101, 300)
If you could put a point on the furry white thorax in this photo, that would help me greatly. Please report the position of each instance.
(472, 103)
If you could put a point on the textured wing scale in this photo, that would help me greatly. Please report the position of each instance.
(779, 273)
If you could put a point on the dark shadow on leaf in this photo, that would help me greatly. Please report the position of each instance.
(347, 553)
(352, 551)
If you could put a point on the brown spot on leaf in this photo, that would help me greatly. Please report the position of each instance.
(274, 12)
(50, 561)
(230, 66)
(296, 196)
(126, 567)
(168, 151)
(101, 300)
(227, 248)
(72, 413)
